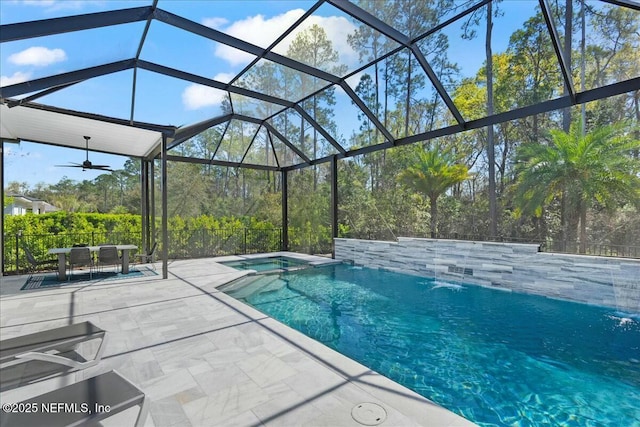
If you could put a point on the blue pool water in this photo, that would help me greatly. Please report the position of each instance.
(265, 264)
(494, 357)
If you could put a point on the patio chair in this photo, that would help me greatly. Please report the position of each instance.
(34, 264)
(108, 255)
(80, 257)
(56, 345)
(91, 401)
(149, 257)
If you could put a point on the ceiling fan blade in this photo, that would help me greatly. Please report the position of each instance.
(99, 168)
(87, 163)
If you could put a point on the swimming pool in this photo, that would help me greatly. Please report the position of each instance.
(265, 264)
(497, 358)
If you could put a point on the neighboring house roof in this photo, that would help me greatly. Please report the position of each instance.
(29, 202)
(26, 198)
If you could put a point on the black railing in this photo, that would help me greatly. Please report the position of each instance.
(200, 243)
(623, 251)
(183, 243)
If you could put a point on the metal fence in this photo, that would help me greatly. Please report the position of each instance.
(183, 243)
(200, 243)
(614, 250)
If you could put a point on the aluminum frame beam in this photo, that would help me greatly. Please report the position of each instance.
(197, 160)
(625, 3)
(47, 27)
(319, 128)
(137, 57)
(273, 149)
(555, 40)
(334, 204)
(76, 76)
(49, 83)
(543, 107)
(144, 203)
(451, 20)
(224, 133)
(255, 135)
(370, 20)
(285, 211)
(165, 210)
(152, 200)
(356, 99)
(437, 84)
(15, 103)
(182, 134)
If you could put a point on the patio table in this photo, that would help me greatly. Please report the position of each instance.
(62, 258)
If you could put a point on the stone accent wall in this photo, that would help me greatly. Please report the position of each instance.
(610, 282)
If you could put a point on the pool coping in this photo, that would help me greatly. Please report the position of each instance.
(309, 260)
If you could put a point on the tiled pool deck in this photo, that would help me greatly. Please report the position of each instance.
(205, 359)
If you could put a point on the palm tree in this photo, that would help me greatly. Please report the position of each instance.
(433, 173)
(580, 170)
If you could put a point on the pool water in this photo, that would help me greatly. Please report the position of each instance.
(265, 264)
(497, 358)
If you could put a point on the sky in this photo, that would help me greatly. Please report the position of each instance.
(164, 100)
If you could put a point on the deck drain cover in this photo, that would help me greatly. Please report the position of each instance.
(368, 414)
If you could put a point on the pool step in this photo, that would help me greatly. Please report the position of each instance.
(253, 284)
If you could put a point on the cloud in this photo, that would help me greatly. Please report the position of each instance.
(197, 96)
(224, 77)
(215, 22)
(41, 3)
(38, 56)
(256, 30)
(17, 77)
(55, 5)
(263, 31)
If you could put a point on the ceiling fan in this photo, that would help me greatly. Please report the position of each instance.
(87, 163)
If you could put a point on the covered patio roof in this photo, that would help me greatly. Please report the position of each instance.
(65, 128)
